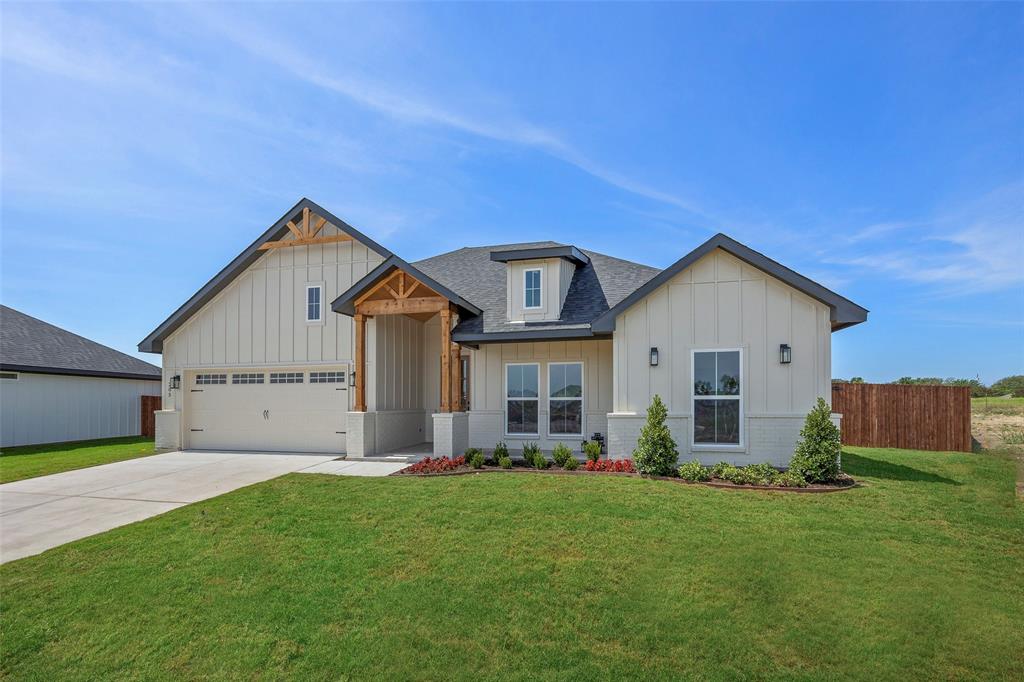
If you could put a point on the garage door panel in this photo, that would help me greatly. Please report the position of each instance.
(286, 417)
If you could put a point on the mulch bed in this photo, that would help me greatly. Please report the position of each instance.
(465, 470)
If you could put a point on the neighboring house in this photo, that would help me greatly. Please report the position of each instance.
(316, 338)
(56, 386)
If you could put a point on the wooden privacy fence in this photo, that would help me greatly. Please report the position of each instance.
(150, 403)
(904, 416)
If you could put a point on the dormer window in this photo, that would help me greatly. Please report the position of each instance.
(531, 288)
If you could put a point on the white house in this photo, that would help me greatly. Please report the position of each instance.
(56, 386)
(318, 339)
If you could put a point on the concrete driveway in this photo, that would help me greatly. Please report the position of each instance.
(39, 513)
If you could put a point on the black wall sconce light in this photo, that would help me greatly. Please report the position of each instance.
(785, 354)
(654, 356)
(175, 382)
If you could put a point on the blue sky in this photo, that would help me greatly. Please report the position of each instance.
(876, 148)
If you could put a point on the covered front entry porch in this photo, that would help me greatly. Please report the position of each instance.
(408, 378)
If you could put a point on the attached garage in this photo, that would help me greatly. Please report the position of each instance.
(280, 409)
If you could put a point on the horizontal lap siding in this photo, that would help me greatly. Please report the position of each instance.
(909, 417)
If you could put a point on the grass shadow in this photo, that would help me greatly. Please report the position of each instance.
(858, 465)
(71, 446)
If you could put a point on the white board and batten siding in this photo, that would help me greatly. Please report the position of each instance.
(722, 303)
(259, 322)
(56, 408)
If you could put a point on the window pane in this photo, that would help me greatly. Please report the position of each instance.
(532, 289)
(727, 427)
(565, 381)
(729, 373)
(515, 381)
(522, 416)
(566, 416)
(704, 379)
(704, 421)
(530, 389)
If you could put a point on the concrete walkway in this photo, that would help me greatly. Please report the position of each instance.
(39, 513)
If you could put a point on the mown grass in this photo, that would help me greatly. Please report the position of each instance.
(917, 575)
(28, 461)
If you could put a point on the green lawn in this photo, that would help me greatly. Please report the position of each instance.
(38, 460)
(918, 575)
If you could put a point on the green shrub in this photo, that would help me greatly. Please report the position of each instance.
(762, 474)
(538, 460)
(790, 479)
(468, 455)
(693, 471)
(561, 454)
(718, 469)
(592, 449)
(529, 450)
(505, 462)
(570, 464)
(500, 450)
(735, 474)
(477, 459)
(656, 452)
(816, 458)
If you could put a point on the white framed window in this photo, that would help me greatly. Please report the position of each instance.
(717, 398)
(286, 377)
(210, 379)
(314, 307)
(531, 288)
(248, 378)
(522, 399)
(326, 377)
(565, 398)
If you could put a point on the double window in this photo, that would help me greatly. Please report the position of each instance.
(564, 399)
(313, 311)
(717, 398)
(531, 288)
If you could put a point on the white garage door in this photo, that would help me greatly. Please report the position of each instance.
(279, 410)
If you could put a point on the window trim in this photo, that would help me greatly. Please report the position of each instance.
(540, 288)
(504, 388)
(741, 445)
(320, 304)
(582, 398)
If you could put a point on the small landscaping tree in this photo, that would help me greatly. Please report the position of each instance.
(656, 452)
(816, 458)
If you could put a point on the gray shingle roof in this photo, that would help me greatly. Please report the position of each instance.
(595, 287)
(28, 344)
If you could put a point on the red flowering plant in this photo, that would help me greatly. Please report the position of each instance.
(435, 465)
(622, 466)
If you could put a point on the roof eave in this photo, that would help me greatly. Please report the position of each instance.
(570, 253)
(524, 335)
(66, 371)
(154, 342)
(345, 303)
(843, 312)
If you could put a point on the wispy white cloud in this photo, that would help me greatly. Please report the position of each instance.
(974, 248)
(411, 108)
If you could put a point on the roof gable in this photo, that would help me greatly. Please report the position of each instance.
(844, 312)
(154, 342)
(28, 344)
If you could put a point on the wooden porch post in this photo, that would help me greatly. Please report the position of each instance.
(446, 360)
(456, 378)
(360, 363)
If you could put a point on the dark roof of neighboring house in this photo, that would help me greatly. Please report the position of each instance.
(31, 345)
(596, 286)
